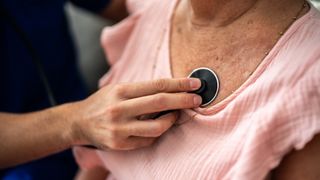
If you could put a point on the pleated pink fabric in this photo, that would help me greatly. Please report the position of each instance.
(243, 137)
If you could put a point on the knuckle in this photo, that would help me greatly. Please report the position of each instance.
(103, 146)
(161, 85)
(160, 101)
(120, 90)
(114, 131)
(113, 112)
(172, 118)
(150, 142)
(187, 100)
(183, 84)
(146, 143)
(116, 145)
(160, 128)
(156, 133)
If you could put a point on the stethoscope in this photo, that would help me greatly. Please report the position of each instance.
(209, 80)
(208, 90)
(209, 85)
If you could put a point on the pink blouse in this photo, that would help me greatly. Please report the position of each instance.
(243, 137)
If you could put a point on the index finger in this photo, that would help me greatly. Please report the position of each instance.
(134, 90)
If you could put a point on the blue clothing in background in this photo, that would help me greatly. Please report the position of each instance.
(21, 90)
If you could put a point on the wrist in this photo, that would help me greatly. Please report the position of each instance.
(68, 116)
(72, 114)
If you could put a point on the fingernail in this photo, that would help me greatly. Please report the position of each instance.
(197, 100)
(195, 83)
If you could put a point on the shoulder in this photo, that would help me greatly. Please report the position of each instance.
(144, 23)
(138, 5)
(296, 62)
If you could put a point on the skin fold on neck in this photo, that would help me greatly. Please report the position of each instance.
(218, 12)
(224, 12)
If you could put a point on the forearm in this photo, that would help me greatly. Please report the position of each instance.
(26, 137)
(98, 173)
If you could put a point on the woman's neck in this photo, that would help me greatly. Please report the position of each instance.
(225, 12)
(219, 12)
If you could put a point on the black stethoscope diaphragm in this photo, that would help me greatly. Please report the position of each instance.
(209, 84)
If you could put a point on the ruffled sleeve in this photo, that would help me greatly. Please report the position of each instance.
(295, 123)
(303, 124)
(87, 158)
(115, 38)
(134, 6)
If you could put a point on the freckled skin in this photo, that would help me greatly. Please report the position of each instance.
(233, 51)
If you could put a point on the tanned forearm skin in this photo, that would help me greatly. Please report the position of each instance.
(35, 135)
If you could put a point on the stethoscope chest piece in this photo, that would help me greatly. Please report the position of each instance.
(209, 85)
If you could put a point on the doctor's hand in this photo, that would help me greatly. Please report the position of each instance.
(109, 119)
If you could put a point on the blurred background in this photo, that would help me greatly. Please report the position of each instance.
(316, 3)
(87, 29)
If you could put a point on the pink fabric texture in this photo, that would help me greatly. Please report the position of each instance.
(243, 137)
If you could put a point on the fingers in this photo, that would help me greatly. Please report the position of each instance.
(160, 102)
(136, 142)
(111, 113)
(140, 133)
(158, 86)
(154, 127)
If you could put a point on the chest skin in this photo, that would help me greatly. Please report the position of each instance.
(233, 52)
(232, 58)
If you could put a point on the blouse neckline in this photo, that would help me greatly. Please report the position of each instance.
(268, 59)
